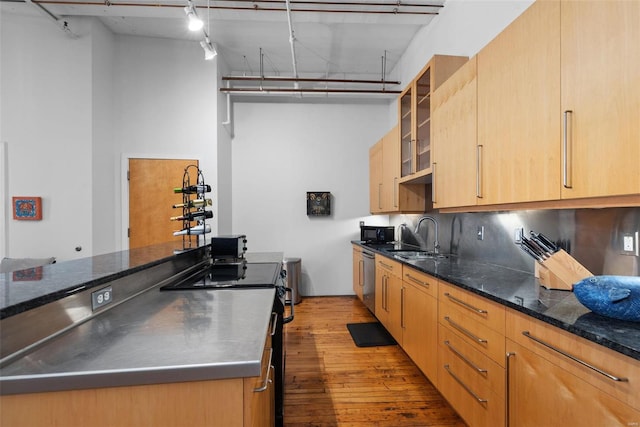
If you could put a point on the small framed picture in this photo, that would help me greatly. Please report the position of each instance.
(27, 208)
(318, 203)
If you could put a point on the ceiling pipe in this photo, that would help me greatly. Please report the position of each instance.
(292, 40)
(253, 8)
(306, 80)
(251, 90)
(60, 23)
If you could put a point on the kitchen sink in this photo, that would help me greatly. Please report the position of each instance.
(415, 255)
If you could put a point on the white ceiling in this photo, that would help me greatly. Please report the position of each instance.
(336, 45)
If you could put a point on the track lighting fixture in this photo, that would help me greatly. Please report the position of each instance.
(195, 23)
(209, 49)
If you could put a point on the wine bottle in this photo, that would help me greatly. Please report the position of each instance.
(198, 229)
(196, 203)
(202, 188)
(193, 216)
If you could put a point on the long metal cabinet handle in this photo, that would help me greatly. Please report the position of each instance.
(379, 196)
(433, 182)
(415, 279)
(267, 377)
(361, 273)
(465, 331)
(411, 168)
(566, 176)
(387, 266)
(464, 304)
(466, 387)
(402, 308)
(395, 191)
(479, 171)
(465, 359)
(575, 359)
(507, 382)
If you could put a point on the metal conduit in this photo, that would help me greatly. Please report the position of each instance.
(306, 80)
(254, 7)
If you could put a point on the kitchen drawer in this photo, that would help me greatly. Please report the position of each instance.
(479, 407)
(423, 281)
(597, 356)
(389, 265)
(479, 336)
(482, 310)
(474, 368)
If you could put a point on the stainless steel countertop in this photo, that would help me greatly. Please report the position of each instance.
(157, 337)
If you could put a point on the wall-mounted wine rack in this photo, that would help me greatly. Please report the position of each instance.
(193, 206)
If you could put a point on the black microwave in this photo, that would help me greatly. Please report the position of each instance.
(377, 234)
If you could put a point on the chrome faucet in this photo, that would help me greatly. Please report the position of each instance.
(436, 245)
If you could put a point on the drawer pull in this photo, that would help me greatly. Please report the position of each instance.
(267, 377)
(415, 279)
(464, 359)
(387, 266)
(464, 304)
(575, 359)
(465, 331)
(466, 387)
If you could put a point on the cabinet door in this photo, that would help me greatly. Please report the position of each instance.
(381, 296)
(455, 139)
(601, 98)
(358, 272)
(543, 394)
(423, 121)
(375, 178)
(394, 307)
(518, 103)
(390, 170)
(420, 328)
(405, 106)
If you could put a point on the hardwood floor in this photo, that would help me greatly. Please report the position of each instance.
(331, 382)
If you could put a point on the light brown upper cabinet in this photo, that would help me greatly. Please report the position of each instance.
(414, 117)
(387, 195)
(518, 110)
(600, 81)
(375, 178)
(455, 171)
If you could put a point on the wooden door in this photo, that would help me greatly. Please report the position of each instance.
(518, 101)
(455, 139)
(151, 197)
(601, 97)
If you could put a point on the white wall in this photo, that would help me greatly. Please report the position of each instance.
(47, 125)
(165, 106)
(281, 151)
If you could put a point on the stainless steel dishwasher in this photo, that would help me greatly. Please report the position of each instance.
(369, 287)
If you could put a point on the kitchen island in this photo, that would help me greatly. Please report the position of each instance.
(150, 358)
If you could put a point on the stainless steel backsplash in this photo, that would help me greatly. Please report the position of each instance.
(592, 236)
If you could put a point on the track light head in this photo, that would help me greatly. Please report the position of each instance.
(195, 23)
(209, 50)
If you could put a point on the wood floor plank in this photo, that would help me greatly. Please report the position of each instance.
(331, 382)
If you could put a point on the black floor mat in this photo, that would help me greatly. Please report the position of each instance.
(370, 334)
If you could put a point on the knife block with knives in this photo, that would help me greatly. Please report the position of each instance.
(555, 268)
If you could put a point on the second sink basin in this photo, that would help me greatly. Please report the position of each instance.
(415, 255)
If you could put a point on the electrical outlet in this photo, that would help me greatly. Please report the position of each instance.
(630, 244)
(480, 232)
(517, 235)
(361, 223)
(101, 298)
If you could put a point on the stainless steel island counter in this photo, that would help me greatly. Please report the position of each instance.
(157, 337)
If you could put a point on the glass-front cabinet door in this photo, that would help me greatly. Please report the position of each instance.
(406, 132)
(423, 121)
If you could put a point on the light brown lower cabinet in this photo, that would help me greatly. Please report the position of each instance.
(420, 320)
(235, 402)
(389, 295)
(358, 272)
(559, 379)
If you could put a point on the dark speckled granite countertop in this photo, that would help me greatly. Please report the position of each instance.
(22, 292)
(521, 291)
